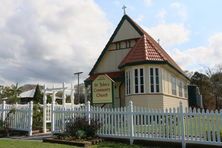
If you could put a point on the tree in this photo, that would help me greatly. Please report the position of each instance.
(203, 82)
(215, 75)
(11, 93)
(14, 92)
(38, 96)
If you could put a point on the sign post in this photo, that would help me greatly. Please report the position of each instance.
(102, 90)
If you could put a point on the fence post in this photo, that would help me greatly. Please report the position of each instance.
(44, 109)
(52, 112)
(63, 94)
(72, 95)
(30, 117)
(182, 125)
(88, 111)
(3, 111)
(130, 122)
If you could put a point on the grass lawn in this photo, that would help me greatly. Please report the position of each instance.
(38, 144)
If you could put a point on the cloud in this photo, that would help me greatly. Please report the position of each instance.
(200, 57)
(148, 2)
(161, 15)
(48, 40)
(180, 10)
(169, 34)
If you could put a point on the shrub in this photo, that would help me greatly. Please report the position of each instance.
(79, 127)
(1, 124)
(37, 117)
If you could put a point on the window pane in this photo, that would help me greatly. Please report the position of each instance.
(136, 89)
(157, 88)
(152, 88)
(142, 88)
(136, 80)
(123, 45)
(136, 72)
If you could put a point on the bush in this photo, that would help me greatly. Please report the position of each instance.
(1, 124)
(79, 127)
(37, 117)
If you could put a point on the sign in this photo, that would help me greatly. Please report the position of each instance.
(102, 89)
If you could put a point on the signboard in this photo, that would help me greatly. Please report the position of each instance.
(102, 89)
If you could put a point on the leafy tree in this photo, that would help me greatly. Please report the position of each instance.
(203, 82)
(11, 93)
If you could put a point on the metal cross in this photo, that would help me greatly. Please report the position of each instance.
(158, 40)
(124, 9)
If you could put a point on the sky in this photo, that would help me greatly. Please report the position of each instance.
(46, 41)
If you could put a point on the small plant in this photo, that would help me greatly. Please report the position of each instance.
(80, 128)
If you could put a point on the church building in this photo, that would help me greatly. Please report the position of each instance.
(139, 69)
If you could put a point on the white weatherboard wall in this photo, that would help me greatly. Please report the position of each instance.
(139, 123)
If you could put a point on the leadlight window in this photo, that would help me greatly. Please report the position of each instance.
(174, 85)
(185, 91)
(180, 86)
(154, 80)
(127, 76)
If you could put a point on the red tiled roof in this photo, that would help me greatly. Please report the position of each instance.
(112, 75)
(143, 51)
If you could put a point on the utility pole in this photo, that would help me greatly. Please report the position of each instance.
(78, 73)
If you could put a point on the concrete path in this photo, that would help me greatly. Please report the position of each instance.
(34, 137)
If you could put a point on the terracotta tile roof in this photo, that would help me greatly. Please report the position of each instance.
(143, 51)
(113, 75)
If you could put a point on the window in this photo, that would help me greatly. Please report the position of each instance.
(185, 91)
(174, 85)
(154, 80)
(127, 80)
(122, 45)
(128, 44)
(138, 80)
(180, 86)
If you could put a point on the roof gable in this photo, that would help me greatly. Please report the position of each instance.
(112, 38)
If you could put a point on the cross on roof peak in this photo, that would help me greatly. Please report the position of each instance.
(124, 9)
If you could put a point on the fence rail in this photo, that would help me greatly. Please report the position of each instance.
(21, 119)
(138, 123)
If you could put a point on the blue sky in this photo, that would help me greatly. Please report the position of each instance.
(46, 41)
(202, 19)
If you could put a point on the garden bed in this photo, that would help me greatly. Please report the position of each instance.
(74, 142)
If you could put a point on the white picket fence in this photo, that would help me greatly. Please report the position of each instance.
(137, 123)
(22, 118)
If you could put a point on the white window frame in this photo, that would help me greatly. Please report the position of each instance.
(139, 85)
(154, 79)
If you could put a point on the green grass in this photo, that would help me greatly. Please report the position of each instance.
(29, 144)
(38, 144)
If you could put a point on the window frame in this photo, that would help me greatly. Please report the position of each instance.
(139, 80)
(154, 79)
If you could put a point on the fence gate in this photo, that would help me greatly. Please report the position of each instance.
(21, 119)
